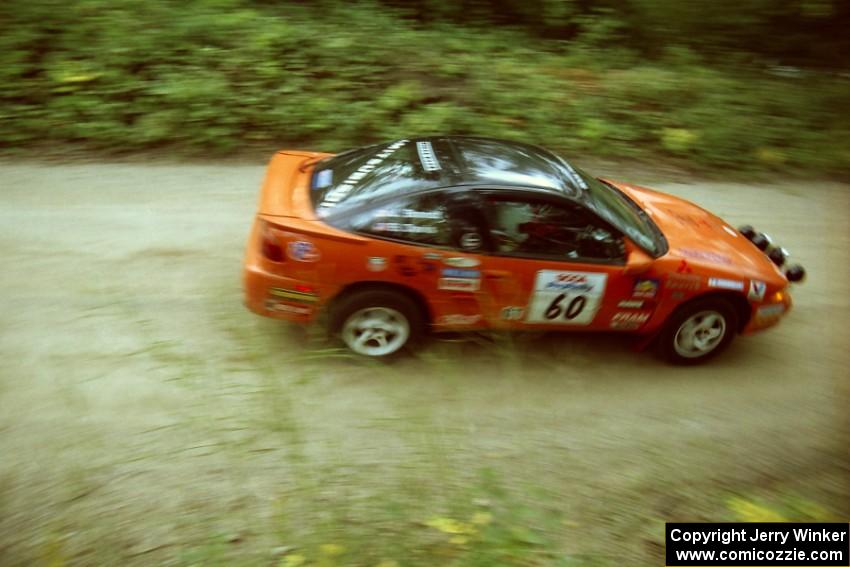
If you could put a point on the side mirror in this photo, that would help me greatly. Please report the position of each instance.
(637, 261)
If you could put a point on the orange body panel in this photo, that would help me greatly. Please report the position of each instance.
(706, 256)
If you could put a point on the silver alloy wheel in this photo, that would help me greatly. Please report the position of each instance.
(376, 331)
(700, 334)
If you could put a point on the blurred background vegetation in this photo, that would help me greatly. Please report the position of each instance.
(733, 84)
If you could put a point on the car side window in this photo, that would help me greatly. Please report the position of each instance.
(421, 220)
(468, 226)
(540, 229)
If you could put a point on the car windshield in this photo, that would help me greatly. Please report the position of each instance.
(617, 208)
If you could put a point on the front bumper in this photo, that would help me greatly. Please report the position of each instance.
(766, 315)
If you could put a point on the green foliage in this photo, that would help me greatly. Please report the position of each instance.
(799, 32)
(217, 76)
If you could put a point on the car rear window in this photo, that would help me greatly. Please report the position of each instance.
(352, 178)
(419, 220)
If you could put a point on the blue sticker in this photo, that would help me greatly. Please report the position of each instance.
(324, 179)
(456, 273)
(303, 251)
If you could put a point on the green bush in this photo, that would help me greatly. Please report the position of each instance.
(217, 76)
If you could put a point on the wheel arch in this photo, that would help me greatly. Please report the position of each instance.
(360, 286)
(737, 300)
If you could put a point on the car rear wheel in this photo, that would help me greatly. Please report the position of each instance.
(698, 331)
(377, 323)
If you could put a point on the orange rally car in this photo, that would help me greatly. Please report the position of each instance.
(449, 233)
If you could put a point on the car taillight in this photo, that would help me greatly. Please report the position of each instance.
(272, 249)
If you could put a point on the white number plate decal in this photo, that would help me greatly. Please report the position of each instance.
(566, 298)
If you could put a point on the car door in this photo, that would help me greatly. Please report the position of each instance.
(555, 264)
(430, 242)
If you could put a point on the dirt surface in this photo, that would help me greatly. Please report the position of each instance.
(142, 409)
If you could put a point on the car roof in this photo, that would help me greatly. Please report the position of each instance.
(480, 161)
(352, 179)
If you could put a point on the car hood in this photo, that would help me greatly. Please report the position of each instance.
(702, 239)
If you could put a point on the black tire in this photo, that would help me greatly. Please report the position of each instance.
(391, 312)
(687, 337)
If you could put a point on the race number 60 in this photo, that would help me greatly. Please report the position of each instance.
(566, 298)
(572, 310)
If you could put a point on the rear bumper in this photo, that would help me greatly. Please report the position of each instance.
(275, 296)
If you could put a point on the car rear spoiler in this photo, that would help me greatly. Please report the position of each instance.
(286, 188)
(314, 228)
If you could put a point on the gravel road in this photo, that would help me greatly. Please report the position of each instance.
(142, 408)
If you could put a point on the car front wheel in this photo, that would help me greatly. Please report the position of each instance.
(377, 323)
(698, 331)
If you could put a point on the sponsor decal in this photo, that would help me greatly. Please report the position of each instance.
(723, 283)
(339, 192)
(460, 273)
(575, 178)
(631, 304)
(294, 295)
(645, 287)
(757, 289)
(569, 281)
(460, 262)
(409, 214)
(283, 307)
(685, 282)
(376, 264)
(713, 257)
(404, 266)
(684, 268)
(409, 267)
(566, 298)
(770, 311)
(324, 179)
(512, 313)
(303, 251)
(689, 220)
(427, 157)
(458, 320)
(402, 227)
(433, 256)
(469, 241)
(629, 319)
(414, 214)
(459, 284)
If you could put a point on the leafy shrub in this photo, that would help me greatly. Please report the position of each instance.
(214, 76)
